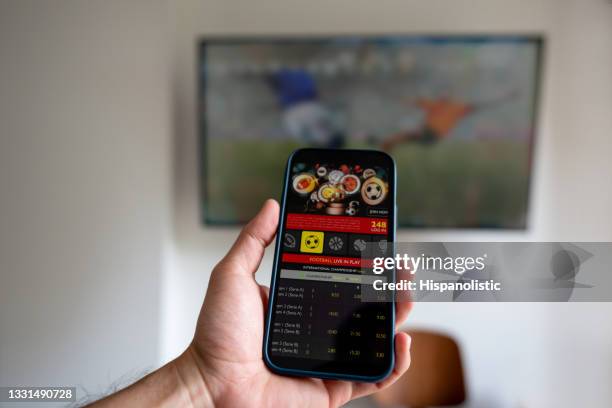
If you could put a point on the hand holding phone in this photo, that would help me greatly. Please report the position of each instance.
(223, 365)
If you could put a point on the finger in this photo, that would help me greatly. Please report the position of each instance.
(402, 359)
(246, 253)
(402, 362)
(403, 302)
(340, 392)
(402, 310)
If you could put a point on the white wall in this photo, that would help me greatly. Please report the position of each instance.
(87, 237)
(84, 189)
(516, 354)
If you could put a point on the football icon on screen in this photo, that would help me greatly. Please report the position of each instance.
(312, 242)
(373, 191)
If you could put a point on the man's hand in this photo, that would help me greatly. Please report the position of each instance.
(223, 366)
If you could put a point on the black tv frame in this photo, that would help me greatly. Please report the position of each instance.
(538, 39)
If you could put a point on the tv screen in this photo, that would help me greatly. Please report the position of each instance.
(457, 113)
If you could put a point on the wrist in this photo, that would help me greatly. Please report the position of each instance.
(191, 372)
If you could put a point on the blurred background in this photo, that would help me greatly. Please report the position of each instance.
(104, 260)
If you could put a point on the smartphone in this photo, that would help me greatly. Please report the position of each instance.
(336, 203)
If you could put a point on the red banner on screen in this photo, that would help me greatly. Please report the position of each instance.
(313, 259)
(337, 223)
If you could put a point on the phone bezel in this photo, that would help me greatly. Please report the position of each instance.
(338, 374)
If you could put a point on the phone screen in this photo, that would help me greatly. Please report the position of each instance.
(336, 204)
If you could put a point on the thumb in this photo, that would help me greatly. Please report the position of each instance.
(246, 253)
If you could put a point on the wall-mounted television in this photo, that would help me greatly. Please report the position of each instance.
(457, 113)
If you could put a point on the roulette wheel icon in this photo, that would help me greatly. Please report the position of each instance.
(336, 243)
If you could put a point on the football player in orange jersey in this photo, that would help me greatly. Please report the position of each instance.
(441, 116)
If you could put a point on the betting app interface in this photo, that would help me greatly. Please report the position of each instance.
(335, 210)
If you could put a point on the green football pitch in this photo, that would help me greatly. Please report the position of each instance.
(453, 183)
